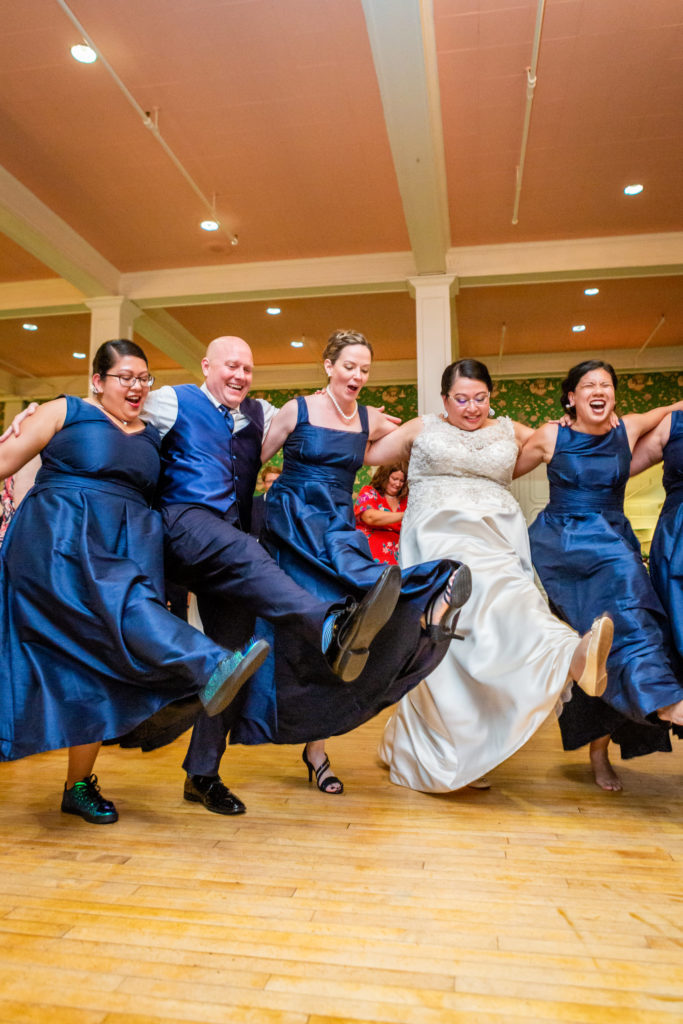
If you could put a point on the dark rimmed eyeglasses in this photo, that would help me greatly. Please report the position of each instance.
(126, 380)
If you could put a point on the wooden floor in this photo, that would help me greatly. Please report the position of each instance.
(540, 900)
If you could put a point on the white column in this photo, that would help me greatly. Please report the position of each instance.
(12, 406)
(432, 294)
(112, 316)
(532, 492)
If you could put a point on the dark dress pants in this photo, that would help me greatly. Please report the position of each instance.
(234, 580)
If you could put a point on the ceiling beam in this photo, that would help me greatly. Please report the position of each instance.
(163, 331)
(36, 228)
(516, 263)
(404, 51)
(566, 259)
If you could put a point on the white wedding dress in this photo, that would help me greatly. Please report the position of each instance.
(494, 688)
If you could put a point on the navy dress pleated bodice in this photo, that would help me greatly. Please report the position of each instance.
(666, 551)
(589, 562)
(89, 648)
(310, 531)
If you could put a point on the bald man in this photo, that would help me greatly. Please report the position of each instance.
(211, 456)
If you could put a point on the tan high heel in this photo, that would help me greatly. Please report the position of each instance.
(593, 679)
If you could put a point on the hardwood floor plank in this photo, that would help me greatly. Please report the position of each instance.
(541, 900)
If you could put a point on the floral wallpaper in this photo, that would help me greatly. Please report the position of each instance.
(533, 401)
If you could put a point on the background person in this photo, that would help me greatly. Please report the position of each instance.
(379, 510)
(268, 475)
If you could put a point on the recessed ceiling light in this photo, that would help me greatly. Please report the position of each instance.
(30, 327)
(577, 328)
(209, 225)
(297, 344)
(83, 53)
(78, 355)
(591, 291)
(273, 310)
(633, 190)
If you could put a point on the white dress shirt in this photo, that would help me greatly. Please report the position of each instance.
(161, 410)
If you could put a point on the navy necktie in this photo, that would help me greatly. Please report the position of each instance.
(230, 424)
(229, 418)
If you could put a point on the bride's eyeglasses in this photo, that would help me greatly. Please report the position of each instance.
(462, 402)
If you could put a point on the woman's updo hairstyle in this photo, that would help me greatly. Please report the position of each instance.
(470, 368)
(340, 340)
(571, 381)
(109, 353)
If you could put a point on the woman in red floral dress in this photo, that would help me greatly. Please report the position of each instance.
(379, 510)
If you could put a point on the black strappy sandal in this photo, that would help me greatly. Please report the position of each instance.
(325, 785)
(456, 594)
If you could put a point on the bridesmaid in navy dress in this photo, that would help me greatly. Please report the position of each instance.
(88, 645)
(589, 562)
(666, 551)
(310, 531)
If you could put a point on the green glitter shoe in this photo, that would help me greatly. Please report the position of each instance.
(230, 675)
(84, 798)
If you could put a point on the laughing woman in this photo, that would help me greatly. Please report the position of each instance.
(88, 646)
(589, 561)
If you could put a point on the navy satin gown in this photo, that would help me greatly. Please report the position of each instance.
(310, 531)
(89, 648)
(589, 562)
(666, 551)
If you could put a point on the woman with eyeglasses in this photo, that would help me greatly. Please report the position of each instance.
(88, 645)
(589, 560)
(516, 659)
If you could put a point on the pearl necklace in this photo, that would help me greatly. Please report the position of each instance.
(342, 414)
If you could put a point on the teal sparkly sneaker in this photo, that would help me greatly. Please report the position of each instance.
(230, 675)
(84, 798)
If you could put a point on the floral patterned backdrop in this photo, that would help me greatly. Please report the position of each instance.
(531, 401)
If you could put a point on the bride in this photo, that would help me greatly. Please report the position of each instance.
(492, 691)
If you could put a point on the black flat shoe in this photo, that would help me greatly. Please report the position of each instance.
(84, 799)
(230, 675)
(357, 626)
(211, 791)
(457, 594)
(324, 785)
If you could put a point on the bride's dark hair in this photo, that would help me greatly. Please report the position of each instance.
(470, 368)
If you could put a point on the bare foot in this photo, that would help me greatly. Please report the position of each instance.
(672, 713)
(605, 776)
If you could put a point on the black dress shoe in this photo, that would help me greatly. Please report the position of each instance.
(357, 626)
(210, 791)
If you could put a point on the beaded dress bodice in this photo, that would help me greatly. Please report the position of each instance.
(450, 467)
